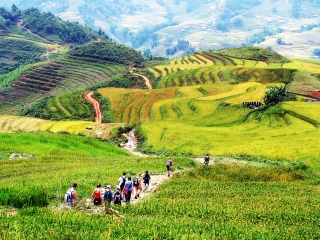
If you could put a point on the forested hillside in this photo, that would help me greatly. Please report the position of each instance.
(46, 25)
(27, 36)
(107, 51)
(289, 27)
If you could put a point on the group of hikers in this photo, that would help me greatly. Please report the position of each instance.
(105, 196)
(125, 187)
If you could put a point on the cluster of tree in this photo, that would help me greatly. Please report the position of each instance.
(229, 16)
(309, 27)
(281, 42)
(107, 51)
(146, 34)
(276, 95)
(182, 45)
(17, 53)
(261, 37)
(46, 25)
(9, 18)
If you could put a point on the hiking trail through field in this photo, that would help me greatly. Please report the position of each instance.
(96, 105)
(147, 80)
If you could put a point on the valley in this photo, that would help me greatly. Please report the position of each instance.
(66, 109)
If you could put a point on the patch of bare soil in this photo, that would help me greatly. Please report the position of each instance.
(229, 161)
(96, 105)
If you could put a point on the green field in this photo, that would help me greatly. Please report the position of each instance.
(196, 108)
(219, 201)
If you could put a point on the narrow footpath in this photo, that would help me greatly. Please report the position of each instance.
(147, 81)
(96, 105)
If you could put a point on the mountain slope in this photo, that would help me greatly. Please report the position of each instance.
(157, 25)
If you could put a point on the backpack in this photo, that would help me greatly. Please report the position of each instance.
(107, 196)
(146, 177)
(117, 198)
(68, 197)
(206, 158)
(169, 162)
(123, 182)
(135, 182)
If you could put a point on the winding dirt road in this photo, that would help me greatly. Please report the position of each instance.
(147, 81)
(96, 105)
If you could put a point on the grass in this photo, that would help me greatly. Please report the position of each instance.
(295, 142)
(75, 159)
(205, 203)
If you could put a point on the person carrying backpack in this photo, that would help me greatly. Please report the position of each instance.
(206, 159)
(122, 181)
(169, 166)
(71, 197)
(97, 195)
(117, 197)
(146, 179)
(137, 186)
(107, 196)
(128, 190)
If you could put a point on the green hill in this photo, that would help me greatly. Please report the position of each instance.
(196, 107)
(107, 51)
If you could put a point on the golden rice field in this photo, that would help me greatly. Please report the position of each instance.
(14, 124)
(196, 120)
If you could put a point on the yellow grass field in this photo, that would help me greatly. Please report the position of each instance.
(14, 124)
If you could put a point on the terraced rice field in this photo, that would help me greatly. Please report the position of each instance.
(205, 68)
(66, 106)
(15, 124)
(54, 78)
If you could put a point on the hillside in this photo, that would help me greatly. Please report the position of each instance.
(289, 27)
(106, 51)
(29, 36)
(264, 173)
(42, 57)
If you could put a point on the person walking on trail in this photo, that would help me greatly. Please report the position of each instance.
(107, 196)
(117, 197)
(71, 197)
(121, 182)
(128, 190)
(146, 179)
(97, 195)
(169, 166)
(207, 159)
(137, 184)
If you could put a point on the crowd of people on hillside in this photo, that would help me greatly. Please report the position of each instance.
(104, 195)
(125, 188)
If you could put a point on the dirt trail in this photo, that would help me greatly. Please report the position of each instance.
(132, 144)
(96, 105)
(19, 25)
(147, 80)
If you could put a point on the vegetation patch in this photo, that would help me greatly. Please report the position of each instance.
(107, 51)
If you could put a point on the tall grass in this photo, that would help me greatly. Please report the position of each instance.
(60, 159)
(218, 202)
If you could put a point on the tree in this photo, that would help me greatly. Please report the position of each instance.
(275, 95)
(14, 8)
(280, 41)
(317, 52)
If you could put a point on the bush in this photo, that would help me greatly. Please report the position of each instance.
(275, 95)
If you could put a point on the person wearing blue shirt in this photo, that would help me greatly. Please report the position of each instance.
(128, 189)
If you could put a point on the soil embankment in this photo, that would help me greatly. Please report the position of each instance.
(96, 105)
